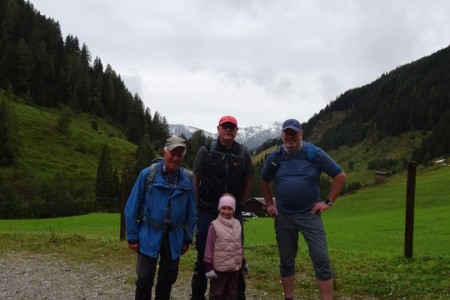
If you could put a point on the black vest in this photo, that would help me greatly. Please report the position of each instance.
(224, 172)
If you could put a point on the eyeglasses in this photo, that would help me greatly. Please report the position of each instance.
(290, 132)
(228, 126)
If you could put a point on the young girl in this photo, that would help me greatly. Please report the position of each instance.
(224, 253)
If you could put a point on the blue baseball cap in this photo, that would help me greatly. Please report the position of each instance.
(292, 124)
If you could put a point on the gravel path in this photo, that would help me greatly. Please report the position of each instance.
(38, 276)
(43, 276)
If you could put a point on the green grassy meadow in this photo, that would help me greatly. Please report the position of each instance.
(365, 233)
(78, 151)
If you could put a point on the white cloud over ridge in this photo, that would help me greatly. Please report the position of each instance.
(260, 60)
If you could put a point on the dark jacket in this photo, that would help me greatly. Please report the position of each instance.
(222, 170)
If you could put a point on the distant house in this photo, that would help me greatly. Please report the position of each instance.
(380, 176)
(256, 205)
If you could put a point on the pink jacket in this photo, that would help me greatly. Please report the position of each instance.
(224, 245)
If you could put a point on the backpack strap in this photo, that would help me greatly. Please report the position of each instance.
(213, 146)
(242, 150)
(310, 149)
(151, 175)
(275, 164)
(148, 187)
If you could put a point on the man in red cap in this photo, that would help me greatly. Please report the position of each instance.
(224, 166)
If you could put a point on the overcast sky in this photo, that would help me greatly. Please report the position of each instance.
(261, 61)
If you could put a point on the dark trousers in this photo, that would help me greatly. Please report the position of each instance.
(225, 286)
(146, 270)
(199, 282)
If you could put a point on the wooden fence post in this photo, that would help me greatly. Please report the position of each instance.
(409, 220)
(123, 201)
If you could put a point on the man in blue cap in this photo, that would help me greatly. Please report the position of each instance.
(295, 167)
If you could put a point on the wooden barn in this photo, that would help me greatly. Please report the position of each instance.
(380, 176)
(256, 205)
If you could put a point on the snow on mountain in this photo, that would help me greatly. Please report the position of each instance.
(252, 136)
(187, 131)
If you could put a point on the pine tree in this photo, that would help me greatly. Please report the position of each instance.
(9, 142)
(23, 71)
(144, 154)
(107, 183)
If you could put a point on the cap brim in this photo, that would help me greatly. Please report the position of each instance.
(231, 122)
(171, 147)
(292, 127)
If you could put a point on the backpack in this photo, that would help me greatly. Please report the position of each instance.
(275, 164)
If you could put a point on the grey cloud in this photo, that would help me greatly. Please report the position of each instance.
(263, 77)
(134, 83)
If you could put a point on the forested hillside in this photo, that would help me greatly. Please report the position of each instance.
(69, 126)
(404, 115)
(40, 66)
(414, 97)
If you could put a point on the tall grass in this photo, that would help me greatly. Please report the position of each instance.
(365, 233)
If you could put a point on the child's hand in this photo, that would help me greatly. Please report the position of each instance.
(245, 269)
(211, 274)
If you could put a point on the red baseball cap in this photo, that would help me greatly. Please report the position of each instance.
(228, 119)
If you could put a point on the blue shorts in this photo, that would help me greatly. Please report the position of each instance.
(311, 227)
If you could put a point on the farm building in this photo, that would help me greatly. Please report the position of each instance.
(256, 205)
(380, 176)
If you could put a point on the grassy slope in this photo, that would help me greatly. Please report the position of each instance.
(375, 217)
(399, 148)
(46, 152)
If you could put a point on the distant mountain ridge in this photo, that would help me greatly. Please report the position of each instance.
(252, 136)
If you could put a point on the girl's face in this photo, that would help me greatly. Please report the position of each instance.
(226, 212)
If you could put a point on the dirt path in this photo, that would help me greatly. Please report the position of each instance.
(44, 276)
(39, 276)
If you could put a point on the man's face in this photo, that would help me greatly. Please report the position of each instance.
(227, 132)
(174, 159)
(292, 139)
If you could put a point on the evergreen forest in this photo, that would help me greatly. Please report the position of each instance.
(413, 97)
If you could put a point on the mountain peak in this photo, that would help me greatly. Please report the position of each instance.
(252, 136)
